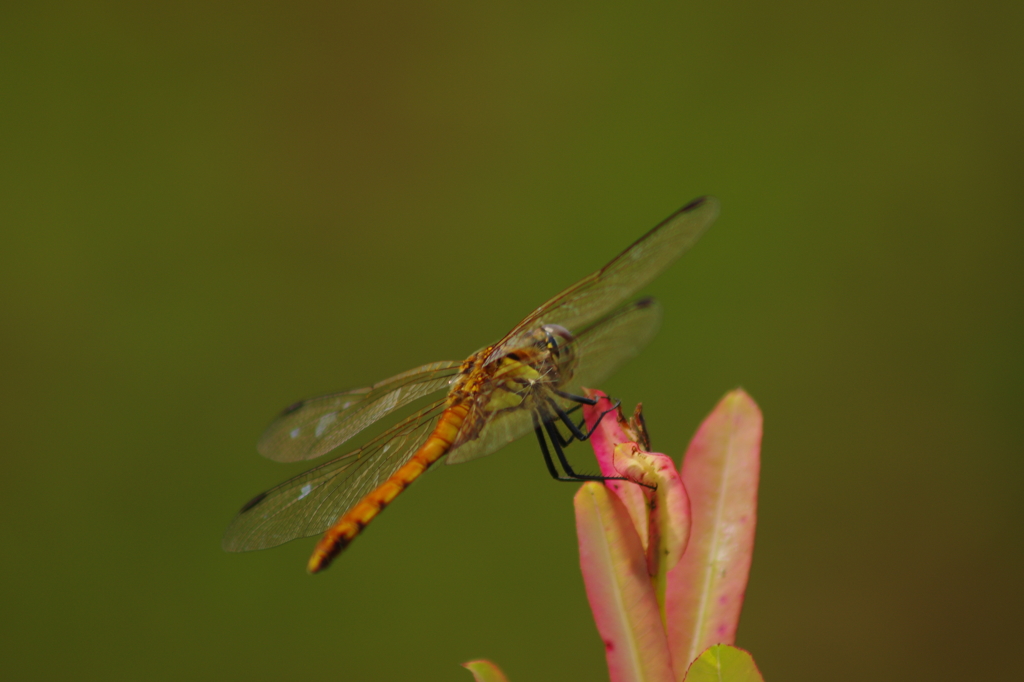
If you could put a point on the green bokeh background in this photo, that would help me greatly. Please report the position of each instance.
(209, 211)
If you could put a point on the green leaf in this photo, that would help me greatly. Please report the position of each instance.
(485, 671)
(724, 663)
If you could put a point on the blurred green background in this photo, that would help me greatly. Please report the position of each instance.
(212, 210)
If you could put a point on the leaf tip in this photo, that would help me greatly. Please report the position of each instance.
(485, 671)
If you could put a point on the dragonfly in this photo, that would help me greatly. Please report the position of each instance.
(530, 380)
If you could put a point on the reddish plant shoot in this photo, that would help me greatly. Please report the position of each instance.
(693, 532)
(666, 553)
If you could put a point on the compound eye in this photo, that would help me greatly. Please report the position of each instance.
(557, 337)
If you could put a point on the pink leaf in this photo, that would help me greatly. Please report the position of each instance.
(720, 472)
(669, 521)
(605, 435)
(669, 506)
(653, 494)
(619, 589)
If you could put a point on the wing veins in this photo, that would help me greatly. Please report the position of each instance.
(272, 520)
(314, 427)
(630, 271)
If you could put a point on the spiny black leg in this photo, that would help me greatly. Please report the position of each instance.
(580, 402)
(544, 450)
(577, 430)
(564, 417)
(566, 441)
(556, 442)
(581, 425)
(576, 398)
(552, 430)
(555, 434)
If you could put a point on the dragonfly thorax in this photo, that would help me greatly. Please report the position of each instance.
(506, 376)
(543, 355)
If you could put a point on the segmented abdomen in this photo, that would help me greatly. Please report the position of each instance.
(352, 522)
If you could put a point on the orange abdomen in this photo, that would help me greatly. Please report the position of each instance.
(346, 528)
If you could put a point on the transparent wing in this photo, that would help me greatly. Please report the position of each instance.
(608, 288)
(497, 430)
(607, 344)
(601, 349)
(311, 428)
(311, 502)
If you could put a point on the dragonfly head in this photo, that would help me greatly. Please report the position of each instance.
(545, 354)
(560, 343)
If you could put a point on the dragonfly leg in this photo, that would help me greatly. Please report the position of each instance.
(576, 398)
(556, 443)
(581, 425)
(565, 441)
(576, 430)
(544, 450)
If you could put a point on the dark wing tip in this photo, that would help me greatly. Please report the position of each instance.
(252, 503)
(693, 204)
(645, 302)
(291, 408)
(706, 205)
